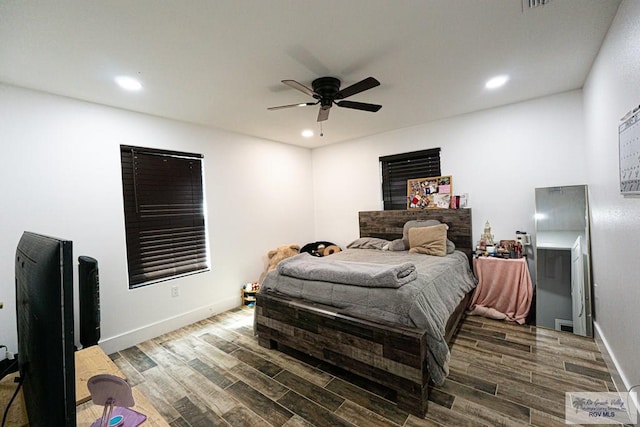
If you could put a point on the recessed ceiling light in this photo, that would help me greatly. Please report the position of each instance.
(496, 82)
(128, 83)
(307, 133)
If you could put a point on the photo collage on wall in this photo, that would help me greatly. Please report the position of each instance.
(429, 193)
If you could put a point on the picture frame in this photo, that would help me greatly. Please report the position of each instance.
(429, 193)
(629, 153)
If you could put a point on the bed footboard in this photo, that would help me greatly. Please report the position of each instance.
(387, 354)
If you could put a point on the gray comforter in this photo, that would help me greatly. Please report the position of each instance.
(425, 303)
(329, 269)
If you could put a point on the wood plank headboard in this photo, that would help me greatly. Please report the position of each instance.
(388, 224)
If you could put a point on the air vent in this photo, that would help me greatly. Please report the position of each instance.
(536, 3)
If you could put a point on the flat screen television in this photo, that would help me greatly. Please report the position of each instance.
(44, 311)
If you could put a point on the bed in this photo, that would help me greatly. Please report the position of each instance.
(394, 335)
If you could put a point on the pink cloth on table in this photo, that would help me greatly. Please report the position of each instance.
(504, 289)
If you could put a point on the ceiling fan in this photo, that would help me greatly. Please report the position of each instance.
(326, 90)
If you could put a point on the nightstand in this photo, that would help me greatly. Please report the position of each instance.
(504, 289)
(248, 297)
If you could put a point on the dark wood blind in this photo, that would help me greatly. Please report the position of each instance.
(164, 214)
(397, 169)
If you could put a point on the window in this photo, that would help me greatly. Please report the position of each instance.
(397, 169)
(164, 214)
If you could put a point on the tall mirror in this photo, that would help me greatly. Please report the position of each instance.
(562, 260)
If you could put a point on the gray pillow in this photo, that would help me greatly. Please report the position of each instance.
(398, 245)
(451, 247)
(403, 244)
(369, 243)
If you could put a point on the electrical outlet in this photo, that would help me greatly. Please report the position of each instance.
(175, 291)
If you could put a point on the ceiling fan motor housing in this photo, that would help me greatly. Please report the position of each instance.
(327, 88)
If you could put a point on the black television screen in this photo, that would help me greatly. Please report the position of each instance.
(44, 311)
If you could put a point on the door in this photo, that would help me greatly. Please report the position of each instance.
(577, 289)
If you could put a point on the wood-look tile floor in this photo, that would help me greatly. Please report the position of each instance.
(214, 373)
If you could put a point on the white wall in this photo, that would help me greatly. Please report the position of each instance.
(497, 156)
(613, 89)
(60, 175)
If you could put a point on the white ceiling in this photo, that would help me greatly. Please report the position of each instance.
(220, 62)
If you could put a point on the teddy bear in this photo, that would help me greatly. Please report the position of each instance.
(274, 256)
(320, 248)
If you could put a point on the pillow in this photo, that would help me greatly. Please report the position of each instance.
(430, 240)
(398, 245)
(451, 247)
(403, 244)
(416, 223)
(369, 243)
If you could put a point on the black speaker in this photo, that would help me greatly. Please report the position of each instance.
(89, 301)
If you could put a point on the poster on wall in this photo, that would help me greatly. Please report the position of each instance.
(429, 193)
(629, 144)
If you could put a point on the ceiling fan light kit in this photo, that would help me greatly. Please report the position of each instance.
(326, 90)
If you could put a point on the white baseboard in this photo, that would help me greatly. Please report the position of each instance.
(617, 374)
(127, 339)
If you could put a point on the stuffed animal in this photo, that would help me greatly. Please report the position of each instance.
(274, 256)
(320, 248)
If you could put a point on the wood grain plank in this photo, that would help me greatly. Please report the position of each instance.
(162, 388)
(266, 408)
(488, 340)
(368, 400)
(588, 372)
(255, 361)
(452, 418)
(360, 416)
(511, 409)
(213, 396)
(259, 381)
(217, 376)
(484, 415)
(561, 382)
(311, 411)
(319, 395)
(218, 342)
(215, 357)
(243, 416)
(196, 416)
(138, 359)
(158, 398)
(297, 421)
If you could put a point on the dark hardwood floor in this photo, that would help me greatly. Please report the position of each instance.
(215, 373)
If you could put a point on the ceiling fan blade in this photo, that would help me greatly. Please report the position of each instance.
(299, 86)
(323, 114)
(302, 104)
(359, 106)
(361, 86)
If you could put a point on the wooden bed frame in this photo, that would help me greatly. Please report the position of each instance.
(385, 353)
